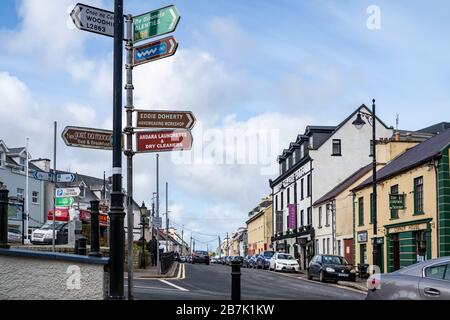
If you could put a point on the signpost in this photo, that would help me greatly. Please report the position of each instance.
(44, 176)
(162, 141)
(64, 202)
(165, 119)
(155, 50)
(155, 23)
(67, 192)
(65, 177)
(88, 138)
(93, 19)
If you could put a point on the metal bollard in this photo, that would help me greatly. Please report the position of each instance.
(235, 281)
(82, 246)
(95, 229)
(4, 218)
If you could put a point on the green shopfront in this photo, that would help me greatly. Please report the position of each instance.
(408, 243)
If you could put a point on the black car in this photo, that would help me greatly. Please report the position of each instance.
(330, 267)
(200, 257)
(263, 260)
(246, 262)
(252, 261)
(238, 259)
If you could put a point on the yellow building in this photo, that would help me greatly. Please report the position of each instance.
(413, 207)
(259, 227)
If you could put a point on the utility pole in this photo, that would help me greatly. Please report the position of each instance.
(167, 217)
(182, 241)
(129, 152)
(55, 129)
(190, 245)
(117, 215)
(27, 217)
(157, 213)
(220, 248)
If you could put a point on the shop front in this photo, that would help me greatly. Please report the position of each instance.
(408, 243)
(85, 217)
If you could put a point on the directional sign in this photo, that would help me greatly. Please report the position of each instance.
(44, 176)
(157, 222)
(166, 140)
(88, 138)
(67, 192)
(155, 50)
(93, 19)
(65, 177)
(155, 23)
(64, 202)
(165, 119)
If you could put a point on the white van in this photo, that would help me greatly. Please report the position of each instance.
(44, 235)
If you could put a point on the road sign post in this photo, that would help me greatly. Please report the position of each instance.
(155, 50)
(155, 23)
(163, 141)
(93, 19)
(165, 119)
(65, 177)
(67, 192)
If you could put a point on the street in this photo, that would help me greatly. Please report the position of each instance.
(213, 282)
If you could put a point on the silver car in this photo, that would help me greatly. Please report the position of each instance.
(429, 280)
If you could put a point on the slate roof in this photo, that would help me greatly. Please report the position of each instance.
(436, 128)
(344, 185)
(413, 157)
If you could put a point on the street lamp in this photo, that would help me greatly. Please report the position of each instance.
(143, 210)
(359, 123)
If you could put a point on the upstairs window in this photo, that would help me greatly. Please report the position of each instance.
(35, 197)
(327, 216)
(20, 193)
(308, 186)
(320, 217)
(311, 142)
(302, 151)
(302, 189)
(361, 211)
(418, 195)
(2, 155)
(22, 164)
(336, 147)
(309, 216)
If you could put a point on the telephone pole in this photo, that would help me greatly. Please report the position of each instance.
(182, 241)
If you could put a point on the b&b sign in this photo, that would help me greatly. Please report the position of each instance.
(397, 201)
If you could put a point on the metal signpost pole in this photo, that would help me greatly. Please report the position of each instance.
(117, 235)
(27, 191)
(374, 187)
(158, 265)
(129, 153)
(167, 217)
(54, 180)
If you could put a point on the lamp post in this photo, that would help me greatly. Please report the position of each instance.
(143, 209)
(359, 123)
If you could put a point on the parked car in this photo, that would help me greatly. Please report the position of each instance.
(284, 262)
(429, 280)
(252, 261)
(330, 267)
(14, 235)
(200, 257)
(245, 262)
(228, 260)
(263, 260)
(44, 235)
(238, 259)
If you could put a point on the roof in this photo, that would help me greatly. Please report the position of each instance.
(413, 157)
(288, 172)
(344, 185)
(436, 128)
(16, 151)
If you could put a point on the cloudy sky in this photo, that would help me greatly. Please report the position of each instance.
(259, 70)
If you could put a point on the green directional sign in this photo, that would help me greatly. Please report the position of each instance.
(155, 23)
(64, 202)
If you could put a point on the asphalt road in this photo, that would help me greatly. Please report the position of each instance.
(213, 282)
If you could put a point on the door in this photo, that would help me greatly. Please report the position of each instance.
(436, 283)
(395, 252)
(349, 252)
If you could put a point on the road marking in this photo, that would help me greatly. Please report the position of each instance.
(184, 272)
(174, 285)
(179, 271)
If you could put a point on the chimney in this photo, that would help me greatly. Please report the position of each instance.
(397, 136)
(43, 164)
(408, 136)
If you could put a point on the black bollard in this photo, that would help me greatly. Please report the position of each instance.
(235, 281)
(82, 246)
(4, 218)
(95, 230)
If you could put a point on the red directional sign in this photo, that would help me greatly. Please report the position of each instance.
(165, 140)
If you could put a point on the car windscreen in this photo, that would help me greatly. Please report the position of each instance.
(268, 254)
(285, 257)
(203, 253)
(49, 225)
(334, 260)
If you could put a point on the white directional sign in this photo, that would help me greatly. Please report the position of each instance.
(65, 177)
(93, 19)
(67, 192)
(44, 176)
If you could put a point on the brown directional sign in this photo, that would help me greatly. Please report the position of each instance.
(88, 138)
(164, 140)
(165, 119)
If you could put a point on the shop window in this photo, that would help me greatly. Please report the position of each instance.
(394, 212)
(418, 195)
(336, 147)
(361, 211)
(302, 189)
(436, 272)
(362, 254)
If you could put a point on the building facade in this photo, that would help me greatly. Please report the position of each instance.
(259, 227)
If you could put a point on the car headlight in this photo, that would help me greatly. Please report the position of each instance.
(328, 269)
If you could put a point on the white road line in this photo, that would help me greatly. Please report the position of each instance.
(174, 285)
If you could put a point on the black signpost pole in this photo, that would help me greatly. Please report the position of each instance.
(117, 234)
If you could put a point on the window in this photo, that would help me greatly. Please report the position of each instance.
(361, 211)
(320, 217)
(394, 212)
(276, 202)
(288, 195)
(22, 164)
(295, 192)
(302, 218)
(282, 200)
(447, 273)
(289, 161)
(308, 186)
(309, 213)
(20, 193)
(2, 154)
(323, 246)
(294, 155)
(327, 216)
(302, 189)
(362, 254)
(302, 151)
(317, 247)
(436, 272)
(82, 190)
(418, 195)
(371, 209)
(328, 245)
(336, 147)
(35, 197)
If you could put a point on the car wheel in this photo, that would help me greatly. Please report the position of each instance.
(310, 277)
(321, 277)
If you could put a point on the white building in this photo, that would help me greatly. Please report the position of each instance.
(317, 161)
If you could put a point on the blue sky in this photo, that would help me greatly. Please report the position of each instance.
(302, 62)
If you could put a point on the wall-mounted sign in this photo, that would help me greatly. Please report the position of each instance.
(292, 221)
(379, 240)
(362, 236)
(397, 201)
(411, 227)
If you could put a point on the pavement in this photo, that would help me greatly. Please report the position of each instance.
(213, 282)
(152, 272)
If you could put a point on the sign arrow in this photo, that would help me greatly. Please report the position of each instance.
(65, 177)
(93, 19)
(165, 140)
(165, 119)
(88, 138)
(156, 50)
(155, 23)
